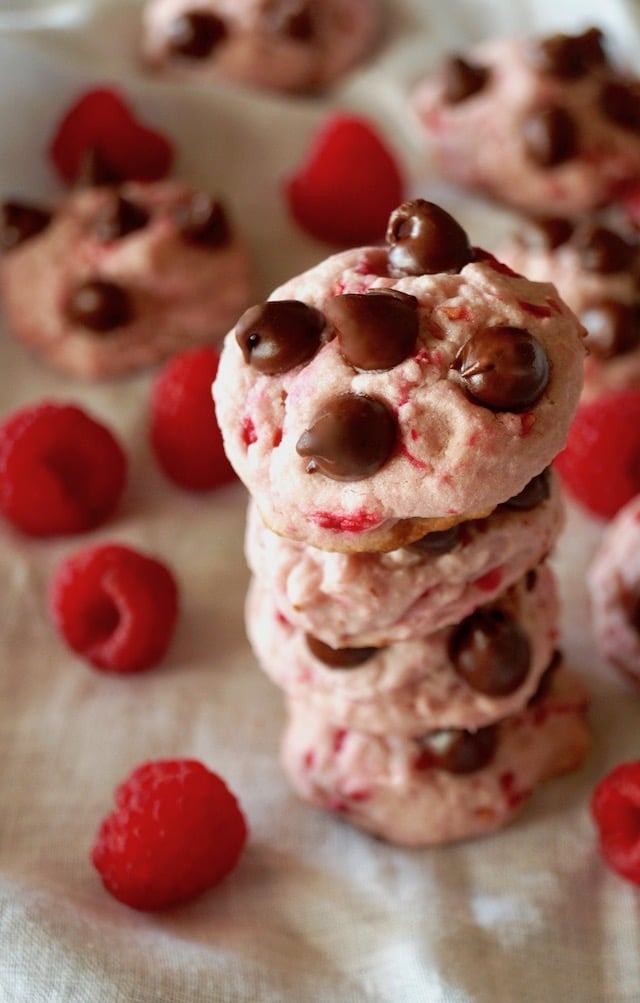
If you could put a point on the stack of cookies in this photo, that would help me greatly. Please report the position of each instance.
(394, 412)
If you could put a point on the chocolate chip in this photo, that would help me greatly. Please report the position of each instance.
(96, 171)
(503, 368)
(548, 232)
(99, 306)
(441, 541)
(461, 80)
(339, 658)
(376, 330)
(570, 56)
(490, 652)
(118, 218)
(620, 103)
(297, 24)
(546, 679)
(195, 34)
(612, 328)
(531, 579)
(550, 136)
(458, 751)
(533, 494)
(631, 606)
(351, 437)
(424, 239)
(602, 250)
(279, 335)
(19, 221)
(202, 220)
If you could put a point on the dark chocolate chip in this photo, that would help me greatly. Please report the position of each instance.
(297, 24)
(278, 335)
(531, 579)
(424, 239)
(550, 136)
(351, 437)
(620, 102)
(631, 606)
(339, 658)
(376, 330)
(570, 56)
(441, 541)
(118, 218)
(458, 751)
(461, 80)
(533, 494)
(202, 220)
(546, 679)
(19, 221)
(97, 171)
(547, 232)
(503, 368)
(196, 34)
(602, 250)
(612, 328)
(99, 306)
(490, 652)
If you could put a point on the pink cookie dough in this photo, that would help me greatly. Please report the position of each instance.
(378, 598)
(287, 45)
(596, 269)
(171, 273)
(411, 435)
(394, 788)
(614, 588)
(412, 686)
(547, 125)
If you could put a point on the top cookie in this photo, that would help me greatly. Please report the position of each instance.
(548, 125)
(392, 386)
(288, 45)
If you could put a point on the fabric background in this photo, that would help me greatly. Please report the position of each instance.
(315, 911)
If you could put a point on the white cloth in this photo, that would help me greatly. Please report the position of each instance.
(315, 911)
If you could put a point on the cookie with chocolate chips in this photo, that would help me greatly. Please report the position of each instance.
(283, 45)
(120, 277)
(550, 125)
(396, 391)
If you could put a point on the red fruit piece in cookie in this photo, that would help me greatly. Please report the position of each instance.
(348, 185)
(101, 125)
(615, 806)
(600, 465)
(175, 832)
(61, 472)
(115, 607)
(184, 431)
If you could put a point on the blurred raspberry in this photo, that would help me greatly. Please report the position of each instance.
(615, 806)
(176, 831)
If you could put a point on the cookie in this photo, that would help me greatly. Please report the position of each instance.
(117, 279)
(417, 381)
(549, 125)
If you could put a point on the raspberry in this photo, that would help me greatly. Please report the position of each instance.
(184, 432)
(600, 465)
(115, 606)
(176, 831)
(100, 123)
(347, 187)
(615, 807)
(61, 472)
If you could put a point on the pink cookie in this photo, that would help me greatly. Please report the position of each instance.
(118, 279)
(442, 787)
(391, 391)
(466, 676)
(547, 125)
(375, 599)
(614, 587)
(289, 45)
(596, 269)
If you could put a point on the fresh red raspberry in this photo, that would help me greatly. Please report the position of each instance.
(615, 806)
(115, 607)
(101, 123)
(600, 466)
(184, 431)
(348, 185)
(61, 472)
(176, 831)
